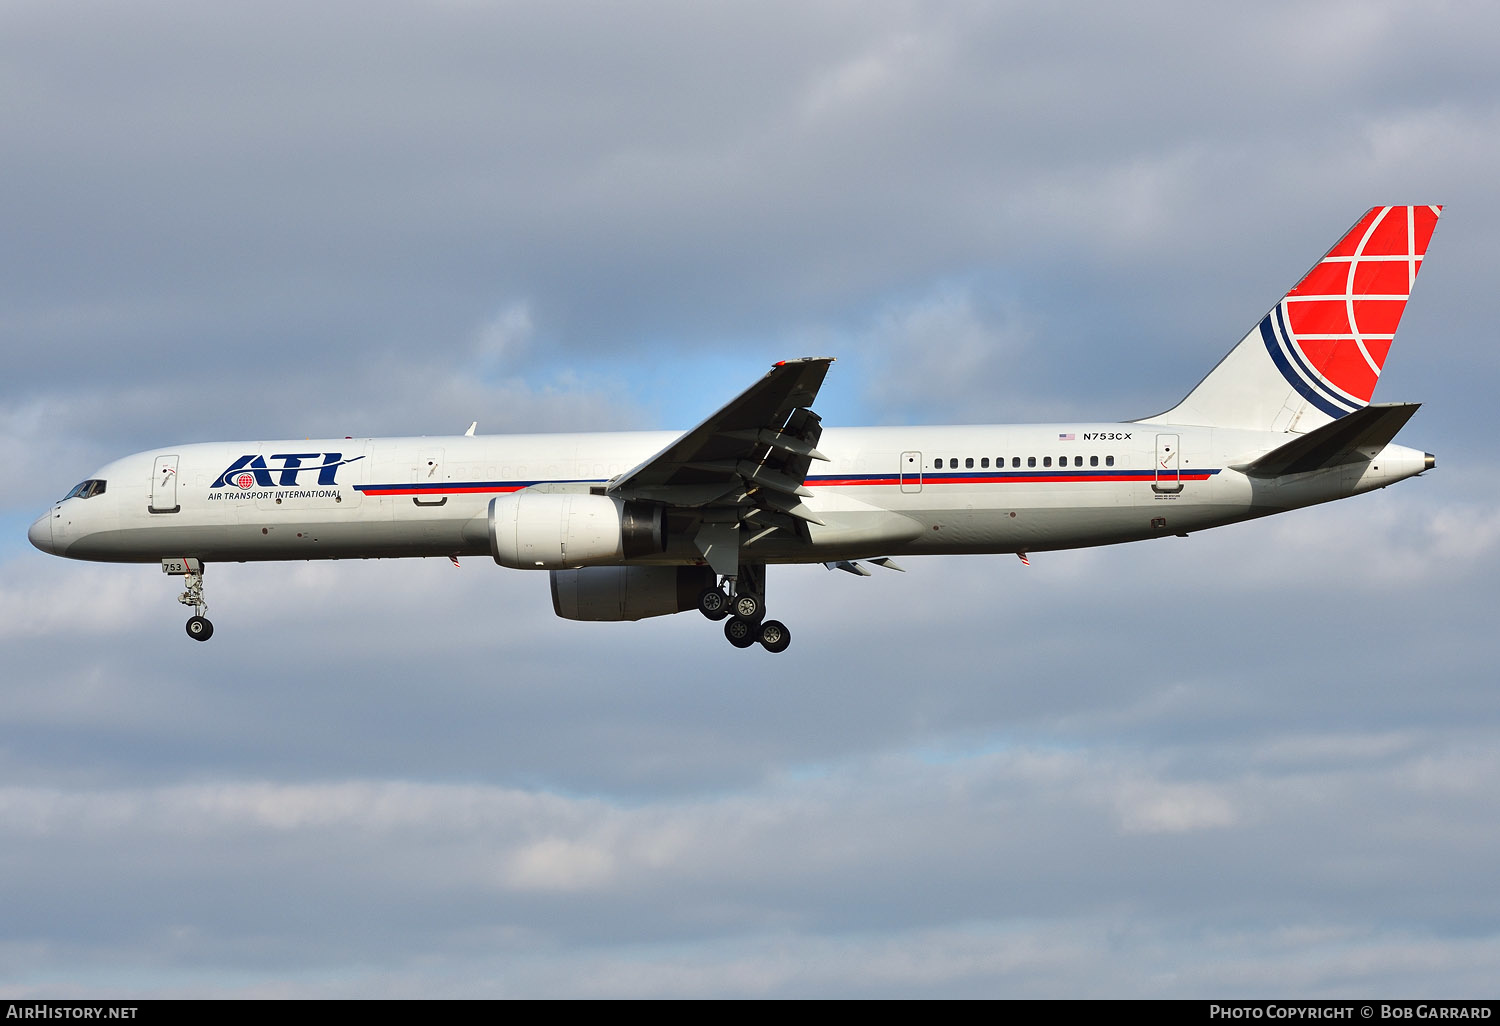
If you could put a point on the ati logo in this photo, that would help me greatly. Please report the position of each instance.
(252, 471)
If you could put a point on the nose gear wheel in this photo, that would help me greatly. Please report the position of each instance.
(199, 627)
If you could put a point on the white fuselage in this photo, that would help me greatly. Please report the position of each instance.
(883, 491)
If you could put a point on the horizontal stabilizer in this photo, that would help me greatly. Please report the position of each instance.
(1358, 436)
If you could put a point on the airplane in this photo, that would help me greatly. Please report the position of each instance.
(638, 524)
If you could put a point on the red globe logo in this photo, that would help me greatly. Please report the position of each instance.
(245, 480)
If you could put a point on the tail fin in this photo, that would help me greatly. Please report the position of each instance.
(1317, 355)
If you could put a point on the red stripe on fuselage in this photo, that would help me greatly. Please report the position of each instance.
(455, 490)
(936, 479)
(831, 482)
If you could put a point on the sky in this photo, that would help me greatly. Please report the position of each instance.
(1258, 762)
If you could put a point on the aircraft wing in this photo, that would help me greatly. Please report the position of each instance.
(746, 462)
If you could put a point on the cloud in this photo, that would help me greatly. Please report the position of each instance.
(1172, 810)
(505, 336)
(73, 599)
(925, 357)
(1017, 845)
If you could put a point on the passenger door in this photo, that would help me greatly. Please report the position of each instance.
(164, 486)
(1168, 465)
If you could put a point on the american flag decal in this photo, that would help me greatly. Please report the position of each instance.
(1065, 437)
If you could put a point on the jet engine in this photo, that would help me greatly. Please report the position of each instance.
(560, 530)
(627, 592)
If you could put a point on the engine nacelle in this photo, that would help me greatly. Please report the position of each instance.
(560, 530)
(627, 592)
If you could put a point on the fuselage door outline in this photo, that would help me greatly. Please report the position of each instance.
(1168, 465)
(911, 472)
(428, 470)
(164, 486)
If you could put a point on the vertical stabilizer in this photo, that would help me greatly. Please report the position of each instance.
(1318, 354)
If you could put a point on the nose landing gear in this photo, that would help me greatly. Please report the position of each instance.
(199, 627)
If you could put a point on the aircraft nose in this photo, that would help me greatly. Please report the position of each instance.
(41, 533)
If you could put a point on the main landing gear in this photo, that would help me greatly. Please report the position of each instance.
(199, 627)
(739, 602)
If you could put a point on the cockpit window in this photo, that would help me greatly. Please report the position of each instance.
(86, 489)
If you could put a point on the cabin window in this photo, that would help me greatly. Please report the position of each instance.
(1046, 461)
(1093, 461)
(1077, 461)
(1030, 461)
(969, 462)
(1109, 461)
(1015, 461)
(984, 463)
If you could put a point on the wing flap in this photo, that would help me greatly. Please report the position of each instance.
(743, 467)
(764, 438)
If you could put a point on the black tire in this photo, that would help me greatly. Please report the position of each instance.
(740, 632)
(747, 606)
(774, 636)
(713, 603)
(199, 628)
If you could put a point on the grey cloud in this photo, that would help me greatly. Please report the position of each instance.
(1072, 840)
